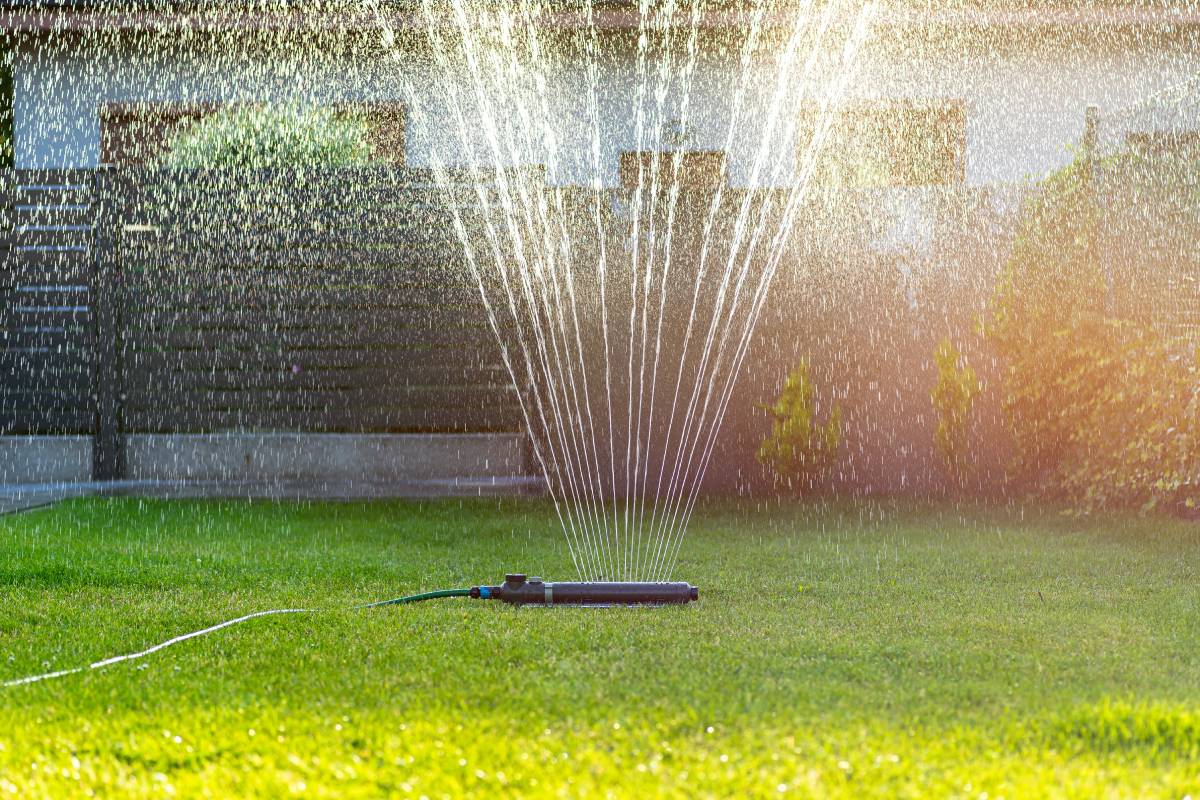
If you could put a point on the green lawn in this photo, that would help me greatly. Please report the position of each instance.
(845, 652)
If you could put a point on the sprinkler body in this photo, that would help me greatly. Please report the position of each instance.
(519, 590)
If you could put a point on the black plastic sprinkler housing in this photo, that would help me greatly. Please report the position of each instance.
(519, 590)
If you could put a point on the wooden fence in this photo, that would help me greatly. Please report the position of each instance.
(47, 303)
(140, 302)
(143, 302)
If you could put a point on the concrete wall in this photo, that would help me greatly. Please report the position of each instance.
(345, 458)
(45, 459)
(1025, 98)
(326, 457)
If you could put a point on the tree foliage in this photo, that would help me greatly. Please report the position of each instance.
(1102, 408)
(953, 398)
(253, 137)
(800, 450)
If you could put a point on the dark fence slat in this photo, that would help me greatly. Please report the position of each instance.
(417, 419)
(154, 276)
(55, 217)
(15, 362)
(330, 301)
(44, 268)
(46, 421)
(162, 256)
(436, 320)
(286, 379)
(443, 397)
(45, 236)
(397, 294)
(108, 449)
(266, 357)
(249, 338)
(67, 383)
(420, 220)
(243, 238)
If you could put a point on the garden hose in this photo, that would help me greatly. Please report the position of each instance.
(416, 598)
(516, 590)
(412, 598)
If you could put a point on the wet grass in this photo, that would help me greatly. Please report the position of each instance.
(843, 651)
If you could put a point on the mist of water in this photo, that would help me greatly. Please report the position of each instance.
(627, 345)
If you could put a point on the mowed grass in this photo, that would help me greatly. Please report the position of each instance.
(845, 651)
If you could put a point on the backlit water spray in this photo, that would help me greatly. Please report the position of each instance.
(623, 317)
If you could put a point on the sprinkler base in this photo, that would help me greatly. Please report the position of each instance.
(519, 590)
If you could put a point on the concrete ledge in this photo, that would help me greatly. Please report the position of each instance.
(323, 457)
(45, 459)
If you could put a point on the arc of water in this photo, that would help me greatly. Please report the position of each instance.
(538, 277)
(441, 177)
(557, 300)
(635, 237)
(557, 428)
(749, 47)
(552, 298)
(592, 48)
(551, 362)
(726, 304)
(673, 199)
(796, 196)
(564, 237)
(663, 27)
(556, 239)
(693, 471)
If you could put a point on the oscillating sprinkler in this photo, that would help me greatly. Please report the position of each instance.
(519, 590)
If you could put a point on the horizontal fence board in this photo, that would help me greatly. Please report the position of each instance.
(317, 277)
(322, 209)
(47, 422)
(266, 357)
(42, 293)
(160, 256)
(236, 238)
(72, 382)
(76, 384)
(39, 240)
(52, 175)
(52, 217)
(49, 343)
(30, 399)
(22, 361)
(399, 420)
(402, 215)
(397, 293)
(22, 329)
(281, 336)
(441, 397)
(45, 269)
(437, 321)
(62, 196)
(313, 379)
(333, 181)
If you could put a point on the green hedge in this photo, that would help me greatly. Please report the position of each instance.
(1102, 410)
(253, 137)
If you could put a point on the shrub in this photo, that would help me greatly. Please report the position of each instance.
(1102, 413)
(799, 449)
(953, 398)
(252, 137)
